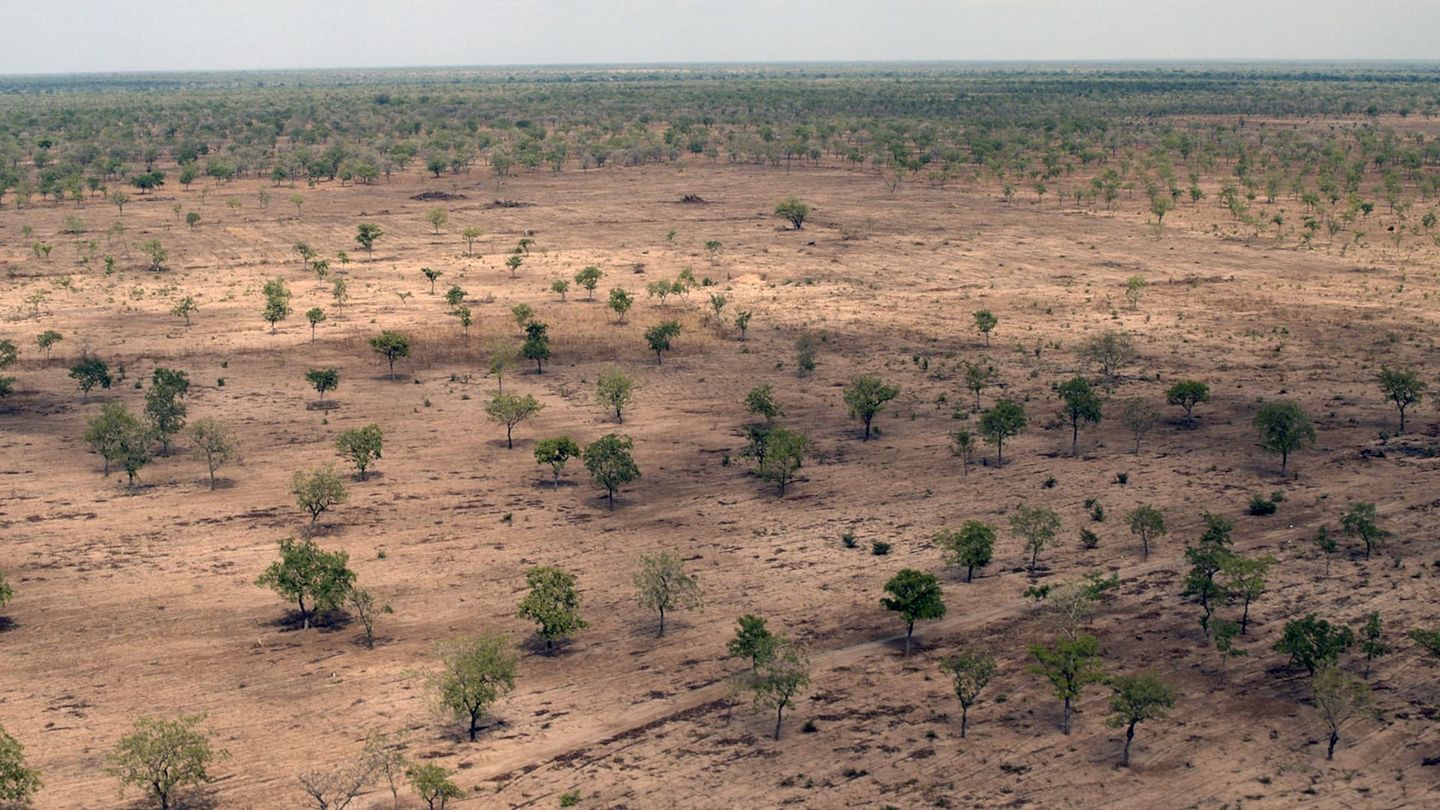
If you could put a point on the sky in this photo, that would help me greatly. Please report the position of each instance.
(76, 36)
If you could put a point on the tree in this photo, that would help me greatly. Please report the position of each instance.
(806, 347)
(315, 315)
(119, 199)
(90, 372)
(317, 490)
(1080, 403)
(510, 410)
(362, 604)
(613, 390)
(1135, 699)
(865, 396)
(1187, 394)
(1362, 522)
(17, 782)
(663, 585)
(437, 218)
(784, 455)
(1139, 417)
(560, 286)
(610, 464)
(431, 782)
(794, 211)
(513, 262)
(752, 641)
(971, 546)
(1243, 578)
(470, 234)
(45, 341)
(1147, 523)
(1110, 352)
(323, 380)
(552, 603)
(971, 672)
(985, 323)
(474, 673)
(339, 290)
(977, 378)
(361, 446)
(192, 219)
(316, 581)
(620, 302)
(761, 402)
(1404, 388)
(556, 452)
(1338, 697)
(503, 358)
(1134, 287)
(161, 757)
(365, 235)
(1069, 664)
(1284, 427)
(157, 254)
(780, 677)
(163, 407)
(1206, 560)
(1224, 637)
(277, 302)
(589, 278)
(213, 443)
(1372, 640)
(523, 314)
(660, 335)
(120, 438)
(1314, 643)
(742, 321)
(393, 345)
(1005, 419)
(962, 444)
(915, 595)
(1037, 526)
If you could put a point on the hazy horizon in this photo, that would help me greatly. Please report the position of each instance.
(151, 36)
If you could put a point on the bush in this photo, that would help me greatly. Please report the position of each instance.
(1259, 506)
(879, 548)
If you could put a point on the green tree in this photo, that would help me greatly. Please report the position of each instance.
(761, 402)
(315, 315)
(393, 345)
(1404, 388)
(1037, 526)
(1134, 287)
(155, 252)
(970, 672)
(1244, 579)
(589, 278)
(1187, 394)
(977, 378)
(560, 286)
(437, 219)
(663, 585)
(277, 302)
(537, 345)
(614, 390)
(120, 438)
(1372, 640)
(474, 673)
(431, 782)
(317, 491)
(470, 234)
(1069, 664)
(523, 314)
(971, 546)
(752, 641)
(323, 380)
(192, 219)
(784, 455)
(794, 211)
(552, 604)
(1362, 522)
(185, 308)
(164, 409)
(510, 410)
(1206, 560)
(162, 757)
(556, 452)
(45, 341)
(962, 444)
(1080, 403)
(90, 372)
(985, 323)
(365, 235)
(780, 678)
(915, 595)
(317, 581)
(610, 464)
(865, 396)
(1135, 699)
(620, 302)
(1005, 419)
(1314, 643)
(1139, 417)
(361, 447)
(1284, 427)
(1338, 698)
(1147, 523)
(18, 783)
(660, 335)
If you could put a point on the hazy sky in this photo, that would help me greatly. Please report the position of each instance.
(49, 36)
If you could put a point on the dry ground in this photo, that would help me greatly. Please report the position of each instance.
(136, 602)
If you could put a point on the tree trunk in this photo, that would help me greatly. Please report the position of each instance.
(304, 614)
(662, 624)
(509, 444)
(1129, 737)
(779, 711)
(1065, 718)
(474, 724)
(1334, 738)
(212, 479)
(909, 631)
(392, 369)
(1245, 618)
(867, 428)
(964, 720)
(610, 493)
(969, 575)
(1074, 438)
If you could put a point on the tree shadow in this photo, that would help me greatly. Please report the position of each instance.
(322, 405)
(7, 624)
(332, 621)
(535, 645)
(547, 483)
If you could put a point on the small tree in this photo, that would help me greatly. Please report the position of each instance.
(1139, 417)
(431, 782)
(277, 302)
(985, 323)
(752, 641)
(1079, 403)
(510, 410)
(365, 235)
(915, 595)
(503, 358)
(613, 390)
(663, 585)
(470, 234)
(620, 303)
(1147, 523)
(120, 438)
(589, 279)
(192, 219)
(88, 373)
(1362, 523)
(466, 318)
(537, 345)
(212, 443)
(1110, 352)
(1244, 579)
(970, 547)
(317, 490)
(977, 378)
(164, 409)
(865, 396)
(962, 444)
(1135, 699)
(1404, 388)
(185, 308)
(1372, 640)
(785, 453)
(316, 581)
(1037, 526)
(761, 402)
(552, 604)
(363, 606)
(1314, 643)
(1187, 394)
(316, 316)
(1338, 697)
(474, 673)
(556, 452)
(161, 757)
(780, 678)
(1005, 419)
(1134, 287)
(523, 314)
(1284, 427)
(1069, 664)
(18, 783)
(393, 345)
(437, 218)
(513, 262)
(560, 286)
(323, 380)
(971, 672)
(361, 447)
(610, 464)
(156, 253)
(794, 211)
(660, 335)
(45, 341)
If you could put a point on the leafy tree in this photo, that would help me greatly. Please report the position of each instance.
(465, 317)
(393, 345)
(1206, 560)
(470, 234)
(361, 446)
(161, 757)
(1037, 526)
(431, 782)
(1005, 419)
(1134, 287)
(90, 372)
(18, 783)
(1372, 640)
(962, 444)
(865, 396)
(455, 296)
(119, 199)
(552, 603)
(185, 308)
(1284, 427)
(977, 378)
(192, 219)
(1187, 394)
(915, 595)
(523, 314)
(164, 409)
(806, 347)
(1362, 523)
(1225, 632)
(315, 315)
(120, 438)
(474, 673)
(1243, 578)
(537, 345)
(323, 380)
(784, 455)
(339, 290)
(45, 341)
(1139, 417)
(742, 321)
(985, 323)
(971, 546)
(157, 254)
(1069, 664)
(318, 490)
(971, 672)
(556, 452)
(752, 641)
(794, 211)
(560, 286)
(1314, 643)
(1080, 403)
(277, 302)
(510, 410)
(610, 464)
(1147, 523)
(513, 262)
(660, 335)
(780, 678)
(362, 604)
(1135, 699)
(1325, 542)
(761, 402)
(365, 235)
(1110, 352)
(613, 390)
(662, 585)
(437, 219)
(503, 358)
(589, 278)
(316, 581)
(620, 302)
(1404, 388)
(1338, 697)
